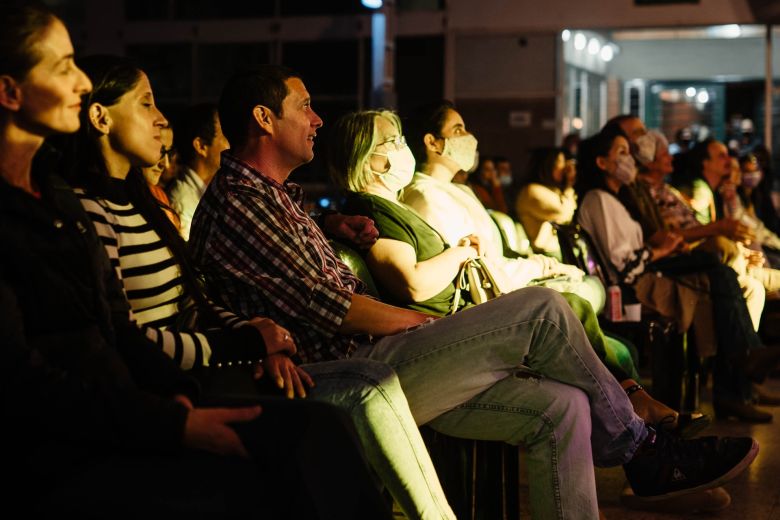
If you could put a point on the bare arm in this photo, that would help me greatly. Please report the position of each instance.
(730, 228)
(369, 316)
(395, 263)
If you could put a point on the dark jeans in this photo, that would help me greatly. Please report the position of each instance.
(305, 464)
(733, 327)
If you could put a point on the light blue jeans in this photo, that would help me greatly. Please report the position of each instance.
(369, 391)
(520, 369)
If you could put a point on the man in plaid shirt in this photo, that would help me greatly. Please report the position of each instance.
(518, 368)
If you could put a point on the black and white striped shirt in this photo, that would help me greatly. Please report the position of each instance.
(154, 288)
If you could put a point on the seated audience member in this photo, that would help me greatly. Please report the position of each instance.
(199, 141)
(462, 374)
(605, 166)
(153, 174)
(507, 181)
(722, 237)
(163, 290)
(408, 248)
(743, 199)
(570, 145)
(547, 198)
(100, 422)
(454, 211)
(636, 196)
(484, 181)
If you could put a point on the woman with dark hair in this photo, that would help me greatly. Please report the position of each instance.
(606, 166)
(100, 421)
(487, 186)
(429, 284)
(547, 198)
(120, 135)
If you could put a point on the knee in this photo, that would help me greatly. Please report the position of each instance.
(569, 412)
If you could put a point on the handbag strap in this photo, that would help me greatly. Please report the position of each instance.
(461, 282)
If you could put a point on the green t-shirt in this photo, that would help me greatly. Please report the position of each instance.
(401, 223)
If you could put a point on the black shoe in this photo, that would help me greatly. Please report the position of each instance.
(666, 466)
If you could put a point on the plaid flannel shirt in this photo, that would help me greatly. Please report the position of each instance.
(262, 255)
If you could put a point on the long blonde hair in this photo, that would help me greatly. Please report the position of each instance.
(353, 139)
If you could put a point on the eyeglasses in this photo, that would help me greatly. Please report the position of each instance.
(168, 152)
(394, 143)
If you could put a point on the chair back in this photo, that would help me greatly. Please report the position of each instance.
(513, 235)
(578, 249)
(356, 264)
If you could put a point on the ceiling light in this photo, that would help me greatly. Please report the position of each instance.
(566, 35)
(607, 53)
(580, 41)
(594, 46)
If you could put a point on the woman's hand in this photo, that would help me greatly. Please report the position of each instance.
(754, 258)
(277, 339)
(472, 241)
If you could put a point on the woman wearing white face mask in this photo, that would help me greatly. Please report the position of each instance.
(605, 163)
(412, 263)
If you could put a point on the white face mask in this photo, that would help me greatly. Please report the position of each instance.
(462, 150)
(645, 152)
(401, 169)
(625, 170)
(505, 180)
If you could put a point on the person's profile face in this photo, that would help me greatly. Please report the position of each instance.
(135, 127)
(297, 127)
(52, 89)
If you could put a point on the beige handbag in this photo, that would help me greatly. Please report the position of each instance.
(475, 277)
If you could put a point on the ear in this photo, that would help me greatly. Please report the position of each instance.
(201, 148)
(264, 117)
(10, 93)
(99, 118)
(601, 162)
(430, 144)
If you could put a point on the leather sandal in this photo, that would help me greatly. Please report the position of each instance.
(686, 425)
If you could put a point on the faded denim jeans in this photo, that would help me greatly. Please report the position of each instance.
(369, 391)
(520, 369)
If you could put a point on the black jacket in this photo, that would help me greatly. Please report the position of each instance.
(77, 378)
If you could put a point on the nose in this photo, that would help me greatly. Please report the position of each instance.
(316, 121)
(160, 119)
(83, 83)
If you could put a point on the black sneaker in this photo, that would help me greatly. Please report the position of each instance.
(666, 466)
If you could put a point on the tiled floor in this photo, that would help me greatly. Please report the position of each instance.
(755, 494)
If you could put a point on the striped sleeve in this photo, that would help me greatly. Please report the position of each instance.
(152, 284)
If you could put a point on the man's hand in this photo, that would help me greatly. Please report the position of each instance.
(277, 339)
(357, 229)
(735, 230)
(671, 243)
(285, 374)
(207, 429)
